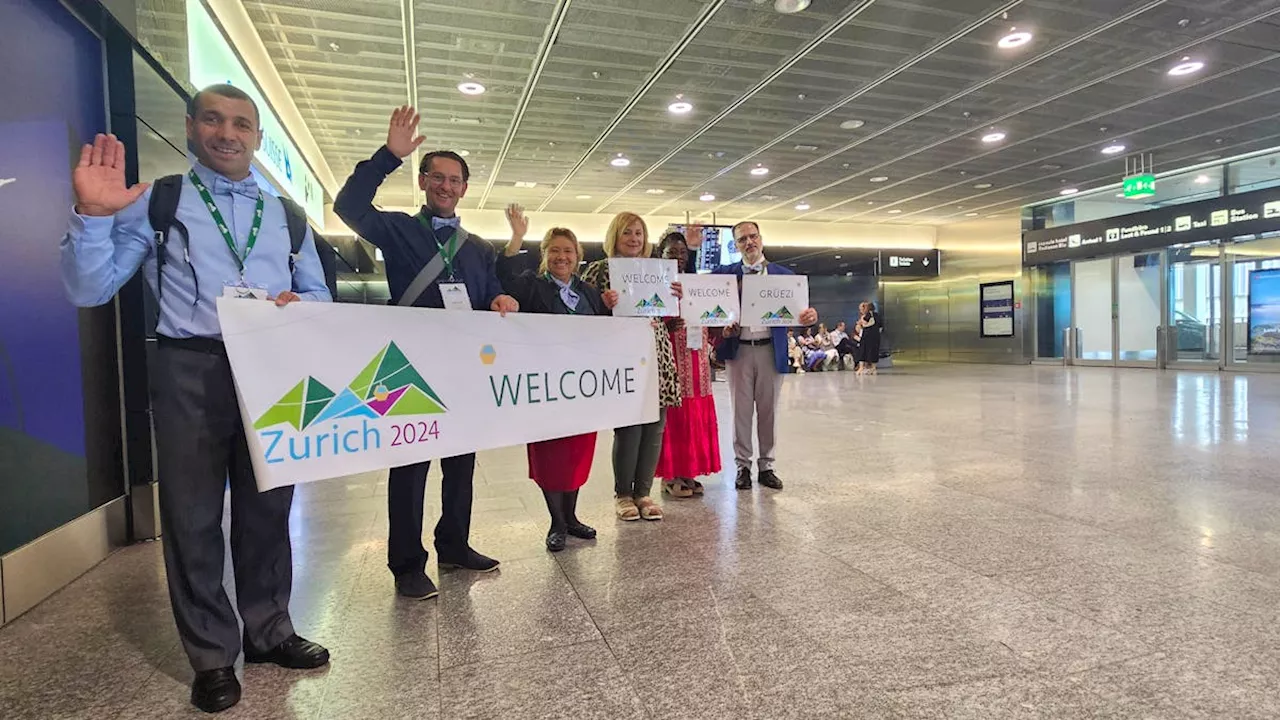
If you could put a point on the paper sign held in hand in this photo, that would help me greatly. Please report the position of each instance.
(644, 287)
(774, 300)
(710, 300)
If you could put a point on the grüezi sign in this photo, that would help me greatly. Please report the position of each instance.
(1249, 213)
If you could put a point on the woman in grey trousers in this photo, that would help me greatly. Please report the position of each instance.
(636, 448)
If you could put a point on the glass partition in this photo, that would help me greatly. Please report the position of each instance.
(1137, 306)
(1195, 304)
(1250, 306)
(1093, 309)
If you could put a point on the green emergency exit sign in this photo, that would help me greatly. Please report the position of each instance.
(1140, 186)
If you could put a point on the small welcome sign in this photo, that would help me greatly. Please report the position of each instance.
(403, 385)
(644, 287)
(774, 300)
(710, 300)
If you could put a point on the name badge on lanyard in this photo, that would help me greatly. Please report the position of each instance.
(455, 296)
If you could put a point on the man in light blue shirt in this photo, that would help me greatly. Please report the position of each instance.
(238, 243)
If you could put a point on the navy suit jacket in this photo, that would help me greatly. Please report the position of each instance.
(728, 349)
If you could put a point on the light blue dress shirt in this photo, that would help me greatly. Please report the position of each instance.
(100, 254)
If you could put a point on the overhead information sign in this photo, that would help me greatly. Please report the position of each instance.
(1250, 213)
(910, 263)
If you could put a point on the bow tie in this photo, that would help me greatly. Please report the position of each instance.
(247, 187)
(439, 222)
(753, 269)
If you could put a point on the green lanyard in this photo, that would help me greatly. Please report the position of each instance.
(448, 249)
(222, 224)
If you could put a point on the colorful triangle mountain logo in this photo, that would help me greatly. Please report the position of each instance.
(388, 386)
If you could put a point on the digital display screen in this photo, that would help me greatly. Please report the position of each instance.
(1264, 312)
(713, 244)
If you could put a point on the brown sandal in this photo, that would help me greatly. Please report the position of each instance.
(677, 489)
(649, 510)
(695, 487)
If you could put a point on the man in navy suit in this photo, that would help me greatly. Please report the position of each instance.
(757, 360)
(432, 261)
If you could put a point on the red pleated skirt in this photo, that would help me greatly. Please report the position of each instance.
(691, 440)
(563, 464)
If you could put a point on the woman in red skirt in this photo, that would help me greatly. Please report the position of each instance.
(561, 466)
(691, 440)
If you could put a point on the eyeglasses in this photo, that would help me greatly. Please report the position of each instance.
(440, 179)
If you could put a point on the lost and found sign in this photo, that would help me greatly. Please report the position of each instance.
(331, 389)
(774, 300)
(709, 300)
(644, 287)
(1250, 213)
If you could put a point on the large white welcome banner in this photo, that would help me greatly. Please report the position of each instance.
(330, 389)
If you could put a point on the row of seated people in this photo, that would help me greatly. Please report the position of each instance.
(818, 350)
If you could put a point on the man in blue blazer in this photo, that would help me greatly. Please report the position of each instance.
(757, 360)
(432, 261)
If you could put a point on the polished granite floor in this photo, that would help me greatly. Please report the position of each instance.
(953, 542)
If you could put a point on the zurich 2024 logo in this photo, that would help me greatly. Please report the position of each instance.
(313, 421)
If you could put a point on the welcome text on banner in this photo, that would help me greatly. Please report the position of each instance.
(328, 390)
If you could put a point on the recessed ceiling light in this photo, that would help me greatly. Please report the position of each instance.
(1120, 195)
(526, 184)
(464, 153)
(894, 212)
(759, 170)
(1202, 179)
(971, 214)
(993, 137)
(879, 179)
(1014, 39)
(584, 197)
(470, 88)
(1069, 191)
(837, 257)
(982, 186)
(1186, 66)
(706, 197)
(654, 191)
(787, 7)
(680, 107)
(852, 124)
(802, 206)
(1113, 149)
(620, 161)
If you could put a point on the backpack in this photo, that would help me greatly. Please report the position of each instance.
(163, 210)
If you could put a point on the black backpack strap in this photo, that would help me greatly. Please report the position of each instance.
(296, 218)
(162, 211)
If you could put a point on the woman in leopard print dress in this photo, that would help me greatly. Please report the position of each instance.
(636, 448)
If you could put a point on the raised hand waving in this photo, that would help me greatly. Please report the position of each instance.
(98, 179)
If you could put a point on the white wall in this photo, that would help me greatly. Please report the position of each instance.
(492, 225)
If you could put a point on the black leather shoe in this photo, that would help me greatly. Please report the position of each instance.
(769, 479)
(472, 561)
(582, 531)
(556, 540)
(294, 653)
(415, 586)
(744, 479)
(215, 690)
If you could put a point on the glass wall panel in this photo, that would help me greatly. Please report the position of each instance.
(1195, 302)
(1138, 306)
(1262, 254)
(1093, 309)
(1254, 174)
(1053, 308)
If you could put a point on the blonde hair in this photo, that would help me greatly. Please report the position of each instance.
(620, 223)
(552, 234)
